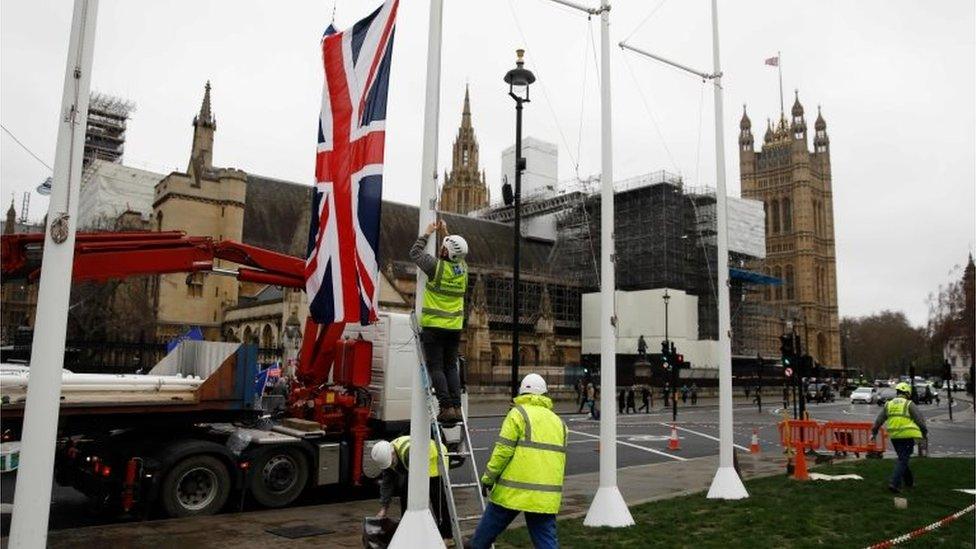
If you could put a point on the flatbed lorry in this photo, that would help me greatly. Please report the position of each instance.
(136, 451)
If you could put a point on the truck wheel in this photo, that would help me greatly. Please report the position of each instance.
(198, 485)
(278, 476)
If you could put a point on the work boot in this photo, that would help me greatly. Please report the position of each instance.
(447, 416)
(893, 490)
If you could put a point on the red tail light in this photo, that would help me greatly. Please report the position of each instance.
(106, 470)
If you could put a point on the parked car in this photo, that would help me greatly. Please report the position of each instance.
(884, 395)
(864, 395)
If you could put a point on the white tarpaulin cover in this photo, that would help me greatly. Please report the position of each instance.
(747, 225)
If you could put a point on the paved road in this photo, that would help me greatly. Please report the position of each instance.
(641, 439)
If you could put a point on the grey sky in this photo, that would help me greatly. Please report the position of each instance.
(896, 80)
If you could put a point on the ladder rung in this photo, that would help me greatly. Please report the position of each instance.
(470, 517)
(456, 454)
(466, 485)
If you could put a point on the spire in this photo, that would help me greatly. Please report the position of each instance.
(820, 124)
(11, 226)
(205, 118)
(204, 126)
(466, 111)
(769, 131)
(797, 107)
(820, 140)
(745, 124)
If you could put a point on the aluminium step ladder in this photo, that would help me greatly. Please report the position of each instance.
(457, 436)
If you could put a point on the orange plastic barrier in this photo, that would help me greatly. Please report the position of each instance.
(800, 432)
(851, 436)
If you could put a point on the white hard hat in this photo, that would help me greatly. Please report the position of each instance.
(457, 247)
(382, 454)
(533, 384)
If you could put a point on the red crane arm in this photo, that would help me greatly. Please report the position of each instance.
(105, 256)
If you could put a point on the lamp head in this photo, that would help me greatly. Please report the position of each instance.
(519, 77)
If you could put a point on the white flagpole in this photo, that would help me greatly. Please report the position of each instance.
(726, 484)
(608, 507)
(32, 495)
(417, 527)
(779, 69)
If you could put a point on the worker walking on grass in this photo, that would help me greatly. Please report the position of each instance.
(393, 460)
(525, 472)
(905, 424)
(442, 315)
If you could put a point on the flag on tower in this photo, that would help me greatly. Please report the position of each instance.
(341, 267)
(773, 61)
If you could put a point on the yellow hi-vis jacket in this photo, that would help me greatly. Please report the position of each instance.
(529, 459)
(900, 423)
(401, 445)
(443, 305)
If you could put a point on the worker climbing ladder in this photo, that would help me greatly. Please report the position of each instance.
(457, 440)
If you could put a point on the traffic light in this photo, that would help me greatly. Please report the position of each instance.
(664, 348)
(679, 361)
(786, 349)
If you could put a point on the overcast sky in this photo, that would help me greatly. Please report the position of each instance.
(896, 80)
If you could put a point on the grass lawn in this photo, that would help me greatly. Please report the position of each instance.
(781, 512)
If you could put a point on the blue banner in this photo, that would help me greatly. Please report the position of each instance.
(193, 334)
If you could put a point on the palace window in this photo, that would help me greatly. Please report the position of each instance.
(774, 206)
(778, 273)
(787, 215)
(194, 285)
(790, 292)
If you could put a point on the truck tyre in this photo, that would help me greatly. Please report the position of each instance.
(197, 485)
(278, 476)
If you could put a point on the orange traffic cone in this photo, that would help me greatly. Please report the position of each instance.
(754, 446)
(800, 469)
(673, 441)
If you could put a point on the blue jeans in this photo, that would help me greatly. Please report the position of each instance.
(904, 448)
(542, 527)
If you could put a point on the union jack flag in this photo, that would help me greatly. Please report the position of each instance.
(341, 269)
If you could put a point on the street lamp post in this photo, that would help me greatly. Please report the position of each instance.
(518, 80)
(668, 348)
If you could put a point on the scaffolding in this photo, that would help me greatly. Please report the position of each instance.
(105, 133)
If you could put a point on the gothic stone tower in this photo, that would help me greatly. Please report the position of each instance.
(795, 186)
(204, 201)
(464, 189)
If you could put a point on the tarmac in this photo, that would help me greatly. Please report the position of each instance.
(341, 523)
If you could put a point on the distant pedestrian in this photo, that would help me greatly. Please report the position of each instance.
(621, 401)
(578, 387)
(591, 400)
(905, 424)
(786, 397)
(684, 394)
(641, 347)
(584, 398)
(747, 391)
(645, 400)
(631, 403)
(694, 394)
(665, 395)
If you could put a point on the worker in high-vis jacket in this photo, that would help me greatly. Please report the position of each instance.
(393, 460)
(525, 472)
(442, 315)
(904, 424)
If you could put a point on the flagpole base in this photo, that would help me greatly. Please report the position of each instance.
(416, 529)
(727, 485)
(608, 509)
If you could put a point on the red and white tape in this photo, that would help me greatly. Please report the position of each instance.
(922, 531)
